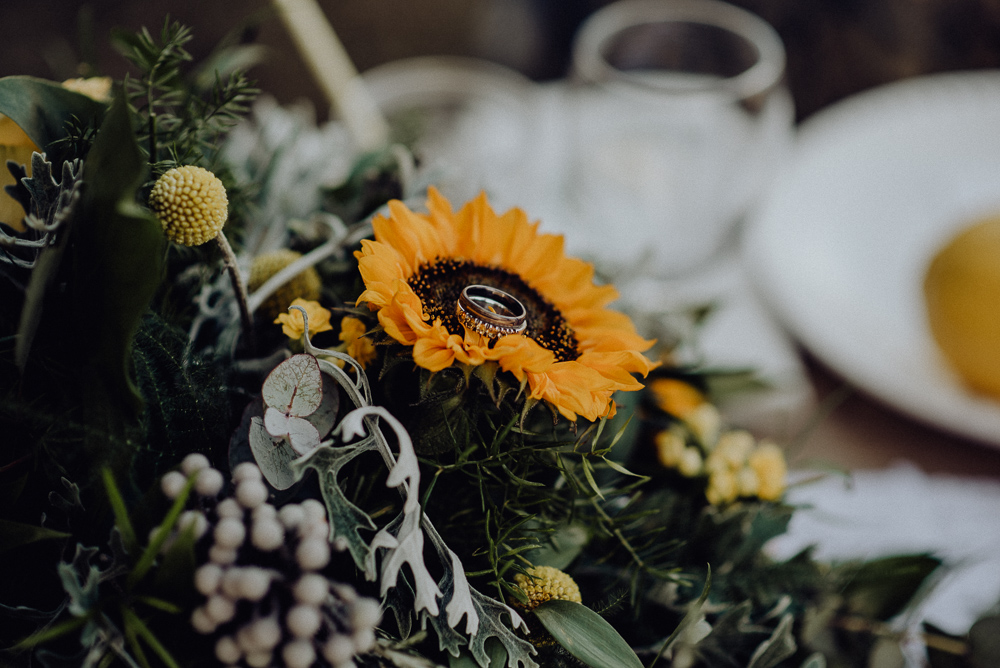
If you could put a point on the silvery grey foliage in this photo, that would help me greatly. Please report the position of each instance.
(49, 205)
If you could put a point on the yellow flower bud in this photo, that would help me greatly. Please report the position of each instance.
(676, 397)
(669, 448)
(191, 204)
(722, 487)
(731, 450)
(544, 583)
(306, 285)
(768, 462)
(690, 462)
(705, 421)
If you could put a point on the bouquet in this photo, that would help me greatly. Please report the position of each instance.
(271, 399)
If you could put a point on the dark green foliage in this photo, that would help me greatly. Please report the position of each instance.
(44, 108)
(186, 400)
(182, 118)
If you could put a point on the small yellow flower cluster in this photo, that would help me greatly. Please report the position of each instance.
(306, 285)
(356, 344)
(293, 325)
(734, 464)
(688, 404)
(352, 330)
(740, 467)
(191, 204)
(544, 583)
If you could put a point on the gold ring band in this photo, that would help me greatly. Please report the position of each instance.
(491, 312)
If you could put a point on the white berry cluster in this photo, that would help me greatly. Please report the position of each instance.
(266, 602)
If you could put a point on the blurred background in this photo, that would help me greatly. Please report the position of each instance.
(835, 47)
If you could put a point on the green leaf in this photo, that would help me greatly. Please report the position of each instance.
(882, 588)
(119, 258)
(586, 635)
(16, 534)
(42, 108)
(160, 537)
(122, 520)
(139, 628)
(778, 647)
(562, 547)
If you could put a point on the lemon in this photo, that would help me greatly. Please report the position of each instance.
(962, 294)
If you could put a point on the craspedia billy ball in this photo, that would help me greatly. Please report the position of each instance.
(306, 285)
(191, 204)
(544, 583)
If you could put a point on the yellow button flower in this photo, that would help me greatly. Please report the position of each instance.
(191, 204)
(544, 583)
(293, 325)
(306, 285)
(17, 146)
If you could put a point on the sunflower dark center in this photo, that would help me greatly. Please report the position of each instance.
(440, 283)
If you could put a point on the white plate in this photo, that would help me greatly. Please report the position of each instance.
(875, 185)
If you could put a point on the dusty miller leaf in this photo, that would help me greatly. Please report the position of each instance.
(519, 651)
(346, 519)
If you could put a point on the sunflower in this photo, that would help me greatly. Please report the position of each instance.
(574, 353)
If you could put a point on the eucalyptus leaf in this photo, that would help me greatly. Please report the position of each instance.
(294, 387)
(274, 456)
(42, 108)
(586, 635)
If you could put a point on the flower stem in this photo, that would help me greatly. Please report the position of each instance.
(239, 287)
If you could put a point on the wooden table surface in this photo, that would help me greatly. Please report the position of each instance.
(862, 433)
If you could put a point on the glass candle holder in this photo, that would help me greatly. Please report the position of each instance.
(680, 118)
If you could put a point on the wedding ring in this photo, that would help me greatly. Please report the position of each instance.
(491, 312)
